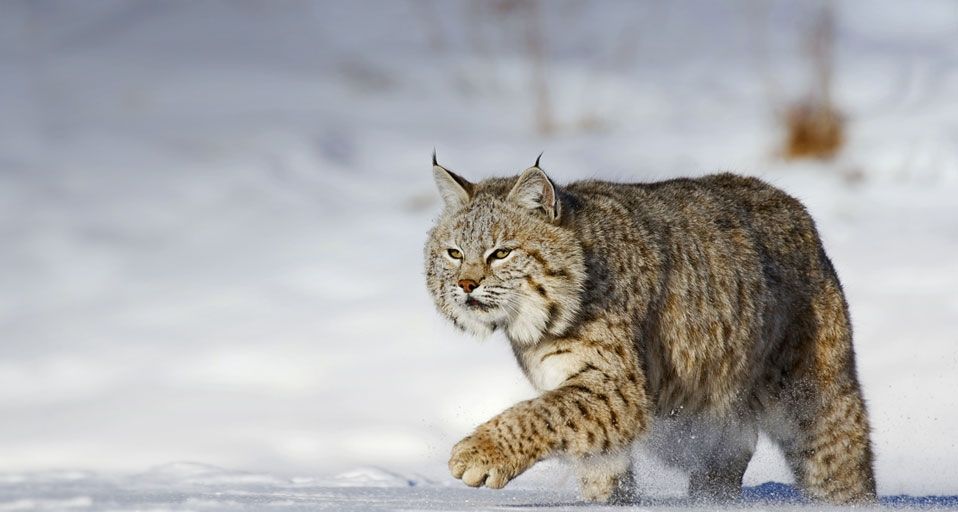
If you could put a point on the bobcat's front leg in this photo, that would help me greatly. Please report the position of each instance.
(594, 405)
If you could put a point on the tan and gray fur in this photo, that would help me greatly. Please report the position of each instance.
(688, 314)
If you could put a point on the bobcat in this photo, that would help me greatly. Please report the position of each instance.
(689, 314)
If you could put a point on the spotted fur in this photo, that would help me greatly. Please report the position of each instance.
(687, 314)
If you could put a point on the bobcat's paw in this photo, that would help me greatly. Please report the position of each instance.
(610, 490)
(478, 460)
(607, 478)
(598, 490)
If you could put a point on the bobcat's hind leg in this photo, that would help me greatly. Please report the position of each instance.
(826, 435)
(607, 478)
(719, 478)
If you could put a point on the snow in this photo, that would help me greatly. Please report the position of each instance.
(190, 486)
(212, 216)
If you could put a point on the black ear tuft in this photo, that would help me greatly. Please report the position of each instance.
(537, 160)
(434, 162)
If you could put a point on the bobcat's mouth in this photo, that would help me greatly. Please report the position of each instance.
(473, 303)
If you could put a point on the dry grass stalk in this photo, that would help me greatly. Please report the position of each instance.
(815, 127)
(815, 130)
(536, 50)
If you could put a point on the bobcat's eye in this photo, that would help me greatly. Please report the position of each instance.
(455, 254)
(499, 254)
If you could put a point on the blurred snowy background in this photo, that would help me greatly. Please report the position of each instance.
(212, 212)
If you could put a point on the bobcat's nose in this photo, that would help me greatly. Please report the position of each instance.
(468, 285)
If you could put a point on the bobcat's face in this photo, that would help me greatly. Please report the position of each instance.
(492, 262)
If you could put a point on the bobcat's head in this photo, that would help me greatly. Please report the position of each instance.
(499, 257)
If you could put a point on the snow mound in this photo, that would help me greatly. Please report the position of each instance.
(194, 473)
(371, 476)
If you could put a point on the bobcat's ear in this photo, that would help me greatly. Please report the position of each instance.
(454, 189)
(535, 191)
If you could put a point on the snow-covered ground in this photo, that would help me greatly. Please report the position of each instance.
(211, 218)
(185, 486)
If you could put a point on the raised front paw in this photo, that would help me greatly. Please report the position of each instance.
(479, 459)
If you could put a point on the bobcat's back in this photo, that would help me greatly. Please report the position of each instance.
(710, 271)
